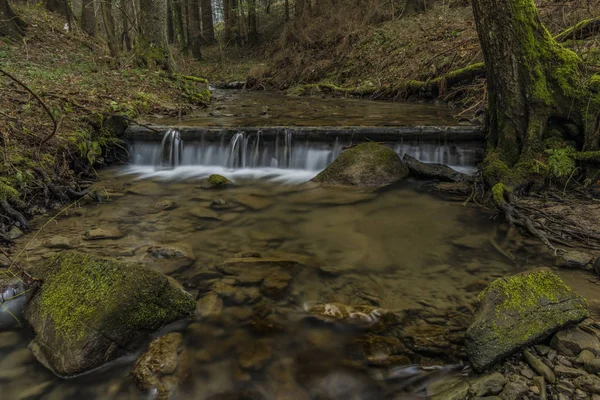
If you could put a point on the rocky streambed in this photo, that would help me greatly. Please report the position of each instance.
(296, 291)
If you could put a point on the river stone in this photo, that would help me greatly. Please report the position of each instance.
(209, 307)
(168, 259)
(215, 181)
(203, 213)
(102, 233)
(374, 318)
(574, 259)
(162, 366)
(254, 202)
(368, 164)
(539, 367)
(514, 391)
(433, 171)
(518, 311)
(588, 383)
(254, 355)
(572, 341)
(14, 233)
(58, 242)
(563, 371)
(460, 389)
(90, 310)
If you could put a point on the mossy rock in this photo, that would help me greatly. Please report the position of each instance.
(89, 310)
(368, 164)
(216, 181)
(519, 311)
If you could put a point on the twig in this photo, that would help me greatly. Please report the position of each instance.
(54, 121)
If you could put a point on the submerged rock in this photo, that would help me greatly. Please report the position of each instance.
(162, 366)
(573, 341)
(13, 297)
(574, 259)
(518, 311)
(215, 181)
(14, 233)
(433, 171)
(170, 258)
(458, 389)
(101, 233)
(368, 164)
(89, 310)
(58, 242)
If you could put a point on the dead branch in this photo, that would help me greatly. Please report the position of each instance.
(54, 121)
(582, 30)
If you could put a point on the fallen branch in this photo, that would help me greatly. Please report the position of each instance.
(54, 121)
(15, 214)
(582, 30)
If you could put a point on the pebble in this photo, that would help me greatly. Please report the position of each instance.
(588, 383)
(514, 391)
(538, 366)
(209, 306)
(592, 366)
(568, 372)
(275, 284)
(58, 242)
(542, 350)
(527, 372)
(101, 233)
(564, 360)
(572, 341)
(585, 356)
(540, 384)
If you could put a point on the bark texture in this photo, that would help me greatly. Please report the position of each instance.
(11, 25)
(154, 49)
(536, 89)
(195, 38)
(208, 31)
(106, 7)
(88, 18)
(252, 22)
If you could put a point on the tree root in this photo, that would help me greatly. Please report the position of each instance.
(15, 215)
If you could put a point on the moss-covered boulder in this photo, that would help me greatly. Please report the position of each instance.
(88, 310)
(518, 311)
(215, 181)
(368, 164)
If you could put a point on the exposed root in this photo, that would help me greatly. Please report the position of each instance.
(15, 214)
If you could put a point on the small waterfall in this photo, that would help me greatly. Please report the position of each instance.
(171, 149)
(285, 151)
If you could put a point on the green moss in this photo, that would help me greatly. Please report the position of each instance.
(587, 156)
(218, 180)
(561, 162)
(7, 191)
(80, 291)
(498, 193)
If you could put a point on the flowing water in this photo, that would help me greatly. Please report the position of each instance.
(397, 251)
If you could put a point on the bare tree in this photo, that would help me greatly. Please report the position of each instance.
(208, 31)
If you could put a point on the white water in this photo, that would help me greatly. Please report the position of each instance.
(280, 158)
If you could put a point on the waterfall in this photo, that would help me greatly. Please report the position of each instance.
(283, 151)
(171, 149)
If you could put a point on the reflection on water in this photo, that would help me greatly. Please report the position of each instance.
(274, 327)
(240, 108)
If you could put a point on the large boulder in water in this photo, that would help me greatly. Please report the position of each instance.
(368, 164)
(518, 311)
(88, 310)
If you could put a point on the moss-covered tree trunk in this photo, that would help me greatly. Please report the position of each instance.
(208, 31)
(537, 90)
(153, 48)
(10, 24)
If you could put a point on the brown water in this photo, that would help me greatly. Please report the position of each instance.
(240, 108)
(401, 250)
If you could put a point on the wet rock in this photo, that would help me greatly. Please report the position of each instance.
(377, 319)
(368, 164)
(518, 311)
(209, 307)
(90, 310)
(432, 171)
(542, 350)
(9, 339)
(585, 356)
(164, 205)
(220, 204)
(563, 371)
(255, 355)
(540, 384)
(451, 189)
(13, 298)
(4, 261)
(574, 259)
(254, 202)
(162, 366)
(203, 213)
(460, 389)
(538, 366)
(170, 258)
(102, 233)
(14, 233)
(275, 284)
(473, 242)
(58, 242)
(592, 366)
(514, 391)
(588, 383)
(224, 290)
(237, 265)
(573, 341)
(216, 181)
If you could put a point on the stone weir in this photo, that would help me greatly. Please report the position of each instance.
(298, 148)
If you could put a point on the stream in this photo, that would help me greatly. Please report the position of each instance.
(399, 249)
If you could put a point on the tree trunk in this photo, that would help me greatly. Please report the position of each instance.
(252, 22)
(62, 7)
(88, 17)
(228, 21)
(170, 24)
(179, 24)
(109, 27)
(154, 48)
(536, 90)
(208, 31)
(299, 8)
(128, 22)
(287, 10)
(195, 37)
(11, 25)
